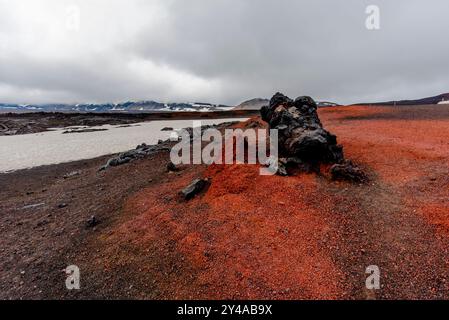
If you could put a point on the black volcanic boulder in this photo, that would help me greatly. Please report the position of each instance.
(194, 188)
(301, 134)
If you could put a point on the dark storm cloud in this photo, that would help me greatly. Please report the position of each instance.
(222, 50)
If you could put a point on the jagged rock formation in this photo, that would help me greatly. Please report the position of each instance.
(303, 142)
(302, 138)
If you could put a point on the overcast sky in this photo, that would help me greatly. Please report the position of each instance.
(222, 51)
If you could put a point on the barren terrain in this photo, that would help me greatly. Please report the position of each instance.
(248, 236)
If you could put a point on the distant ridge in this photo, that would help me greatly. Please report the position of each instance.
(442, 98)
(129, 106)
(258, 103)
(253, 104)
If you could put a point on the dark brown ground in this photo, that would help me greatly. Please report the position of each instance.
(248, 236)
(42, 241)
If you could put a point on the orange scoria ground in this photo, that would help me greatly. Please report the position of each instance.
(303, 237)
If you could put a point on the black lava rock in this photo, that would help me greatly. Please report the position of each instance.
(347, 171)
(92, 222)
(301, 134)
(194, 188)
(171, 167)
(303, 142)
(141, 151)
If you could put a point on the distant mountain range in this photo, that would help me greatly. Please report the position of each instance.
(154, 106)
(130, 106)
(442, 98)
(258, 103)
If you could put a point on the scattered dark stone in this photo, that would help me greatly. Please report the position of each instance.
(347, 171)
(282, 170)
(129, 125)
(10, 132)
(190, 130)
(167, 129)
(171, 167)
(142, 146)
(42, 223)
(83, 130)
(292, 165)
(62, 205)
(72, 174)
(142, 150)
(92, 222)
(194, 188)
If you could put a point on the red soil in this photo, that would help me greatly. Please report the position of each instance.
(241, 244)
(409, 154)
(305, 237)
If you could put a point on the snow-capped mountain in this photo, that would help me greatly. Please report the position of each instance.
(129, 106)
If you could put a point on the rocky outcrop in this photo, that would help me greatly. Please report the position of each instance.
(301, 134)
(303, 142)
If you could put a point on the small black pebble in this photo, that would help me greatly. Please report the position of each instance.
(92, 222)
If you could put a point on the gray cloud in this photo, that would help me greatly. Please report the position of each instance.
(220, 50)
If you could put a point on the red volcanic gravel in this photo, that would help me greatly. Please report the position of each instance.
(247, 236)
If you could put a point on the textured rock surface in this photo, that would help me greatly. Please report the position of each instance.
(171, 167)
(301, 134)
(194, 188)
(141, 151)
(347, 171)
